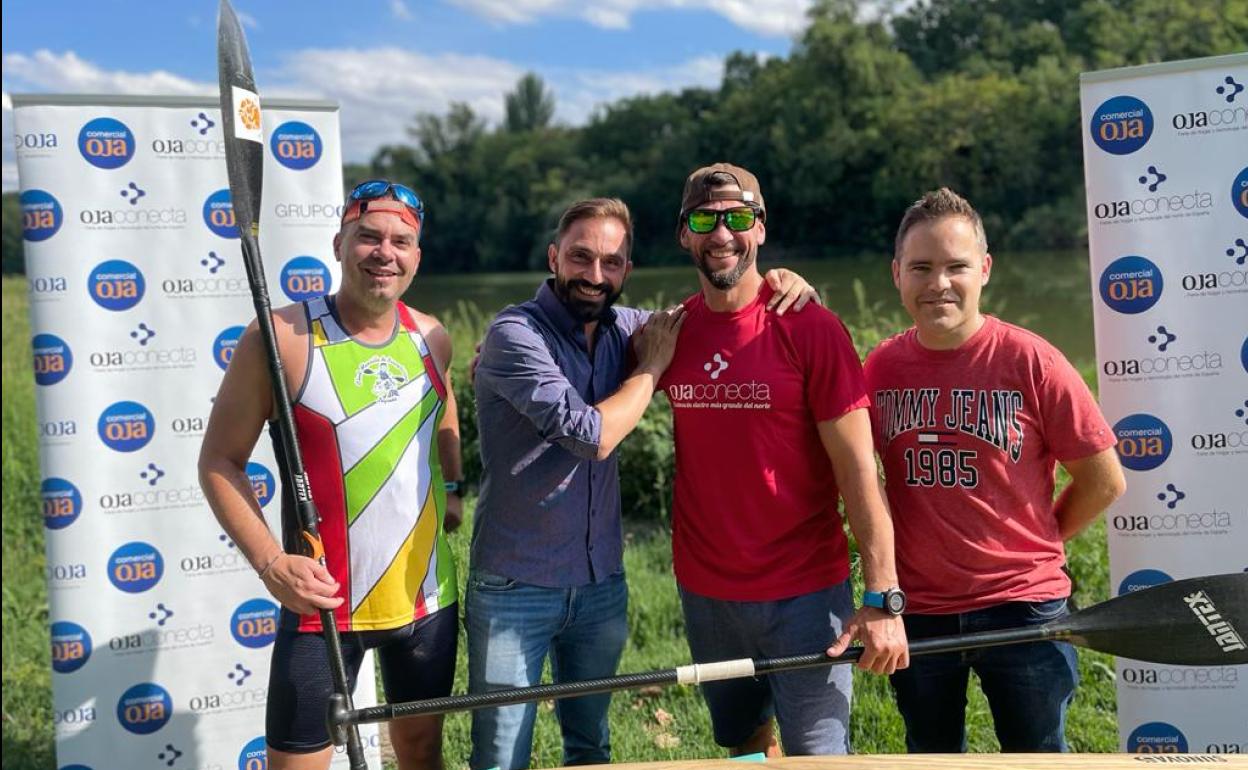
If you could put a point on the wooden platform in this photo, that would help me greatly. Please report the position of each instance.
(955, 761)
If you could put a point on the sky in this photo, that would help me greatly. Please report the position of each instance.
(384, 61)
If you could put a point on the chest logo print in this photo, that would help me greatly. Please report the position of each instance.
(717, 363)
(388, 376)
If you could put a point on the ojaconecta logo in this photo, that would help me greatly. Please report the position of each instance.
(57, 431)
(116, 285)
(62, 502)
(165, 635)
(1144, 442)
(47, 287)
(106, 143)
(144, 708)
(262, 483)
(1156, 738)
(53, 359)
(1165, 359)
(1131, 284)
(254, 623)
(1239, 193)
(34, 144)
(1141, 579)
(225, 343)
(135, 567)
(296, 145)
(1153, 206)
(1144, 676)
(1214, 522)
(126, 426)
(71, 647)
(41, 215)
(1122, 125)
(253, 755)
(64, 575)
(305, 278)
(219, 214)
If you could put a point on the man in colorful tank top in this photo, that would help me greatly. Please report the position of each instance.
(771, 429)
(376, 422)
(556, 394)
(971, 415)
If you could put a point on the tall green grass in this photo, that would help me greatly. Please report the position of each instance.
(659, 724)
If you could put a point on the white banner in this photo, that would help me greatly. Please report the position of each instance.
(1166, 163)
(160, 631)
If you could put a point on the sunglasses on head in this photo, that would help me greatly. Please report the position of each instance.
(377, 188)
(738, 220)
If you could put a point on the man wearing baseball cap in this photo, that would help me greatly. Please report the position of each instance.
(771, 427)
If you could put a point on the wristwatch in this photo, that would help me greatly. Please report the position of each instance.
(455, 488)
(891, 600)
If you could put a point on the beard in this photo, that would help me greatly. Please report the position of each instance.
(583, 309)
(726, 279)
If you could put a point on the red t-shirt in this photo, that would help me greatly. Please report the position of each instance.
(754, 516)
(970, 439)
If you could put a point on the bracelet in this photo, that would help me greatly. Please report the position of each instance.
(270, 564)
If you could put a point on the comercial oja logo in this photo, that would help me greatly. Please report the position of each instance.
(225, 343)
(106, 143)
(144, 708)
(71, 647)
(304, 278)
(296, 145)
(254, 623)
(253, 755)
(53, 359)
(1141, 579)
(219, 214)
(41, 215)
(126, 426)
(262, 483)
(1122, 125)
(135, 567)
(1131, 284)
(62, 502)
(1156, 738)
(116, 285)
(1239, 192)
(1144, 441)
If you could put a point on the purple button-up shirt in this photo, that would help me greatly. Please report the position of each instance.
(549, 513)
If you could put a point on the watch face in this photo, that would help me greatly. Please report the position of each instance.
(895, 601)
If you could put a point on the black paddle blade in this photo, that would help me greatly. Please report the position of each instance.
(240, 111)
(1200, 621)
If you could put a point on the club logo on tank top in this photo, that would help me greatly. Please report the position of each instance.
(387, 375)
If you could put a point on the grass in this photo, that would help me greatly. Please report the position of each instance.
(661, 724)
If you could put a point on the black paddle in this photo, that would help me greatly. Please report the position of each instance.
(1194, 622)
(244, 158)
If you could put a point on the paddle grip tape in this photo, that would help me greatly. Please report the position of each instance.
(711, 672)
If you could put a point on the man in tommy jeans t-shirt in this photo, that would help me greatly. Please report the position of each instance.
(971, 416)
(771, 427)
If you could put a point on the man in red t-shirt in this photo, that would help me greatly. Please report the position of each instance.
(771, 428)
(971, 416)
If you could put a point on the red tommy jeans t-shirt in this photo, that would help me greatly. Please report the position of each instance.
(755, 511)
(970, 440)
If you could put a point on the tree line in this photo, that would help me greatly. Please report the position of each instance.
(861, 117)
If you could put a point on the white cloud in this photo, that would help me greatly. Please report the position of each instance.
(773, 18)
(380, 90)
(400, 11)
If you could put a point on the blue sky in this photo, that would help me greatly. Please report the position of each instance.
(386, 60)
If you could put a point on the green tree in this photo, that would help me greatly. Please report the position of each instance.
(14, 260)
(530, 107)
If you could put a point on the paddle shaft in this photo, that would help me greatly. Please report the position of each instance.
(692, 674)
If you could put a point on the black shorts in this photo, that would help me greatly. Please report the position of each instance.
(417, 661)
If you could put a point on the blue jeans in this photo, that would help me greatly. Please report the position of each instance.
(1028, 686)
(810, 705)
(512, 627)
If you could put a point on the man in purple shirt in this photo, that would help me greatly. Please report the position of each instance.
(555, 396)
